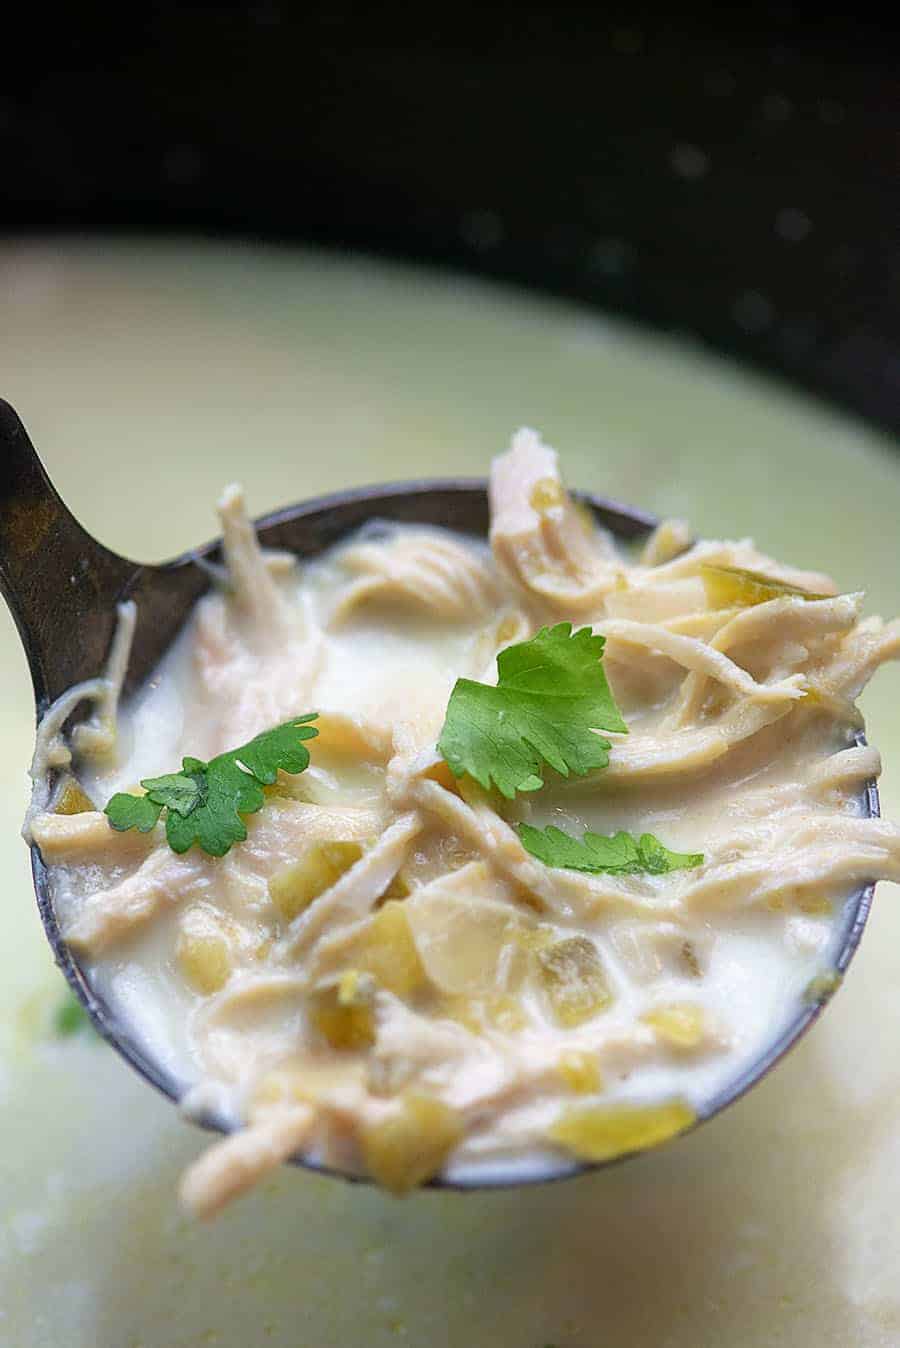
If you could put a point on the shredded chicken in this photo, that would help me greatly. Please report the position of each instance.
(419, 569)
(110, 914)
(237, 1163)
(249, 621)
(668, 540)
(95, 737)
(87, 837)
(356, 892)
(540, 539)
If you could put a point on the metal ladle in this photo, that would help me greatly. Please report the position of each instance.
(62, 587)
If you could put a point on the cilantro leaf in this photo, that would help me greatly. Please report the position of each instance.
(226, 792)
(619, 854)
(176, 791)
(659, 860)
(205, 801)
(550, 699)
(140, 812)
(278, 749)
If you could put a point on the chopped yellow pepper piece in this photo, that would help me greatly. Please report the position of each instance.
(682, 1025)
(411, 1144)
(730, 586)
(293, 888)
(580, 1071)
(203, 952)
(386, 949)
(573, 980)
(342, 1012)
(546, 493)
(72, 799)
(602, 1132)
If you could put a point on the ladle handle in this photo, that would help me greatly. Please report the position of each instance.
(59, 582)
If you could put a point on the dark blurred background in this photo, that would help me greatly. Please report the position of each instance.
(734, 176)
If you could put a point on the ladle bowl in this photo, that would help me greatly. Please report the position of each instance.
(63, 587)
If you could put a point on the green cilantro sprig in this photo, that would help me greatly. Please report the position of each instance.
(550, 699)
(620, 854)
(205, 801)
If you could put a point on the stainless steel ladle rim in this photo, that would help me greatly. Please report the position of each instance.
(626, 522)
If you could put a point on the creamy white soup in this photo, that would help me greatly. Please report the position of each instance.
(571, 848)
